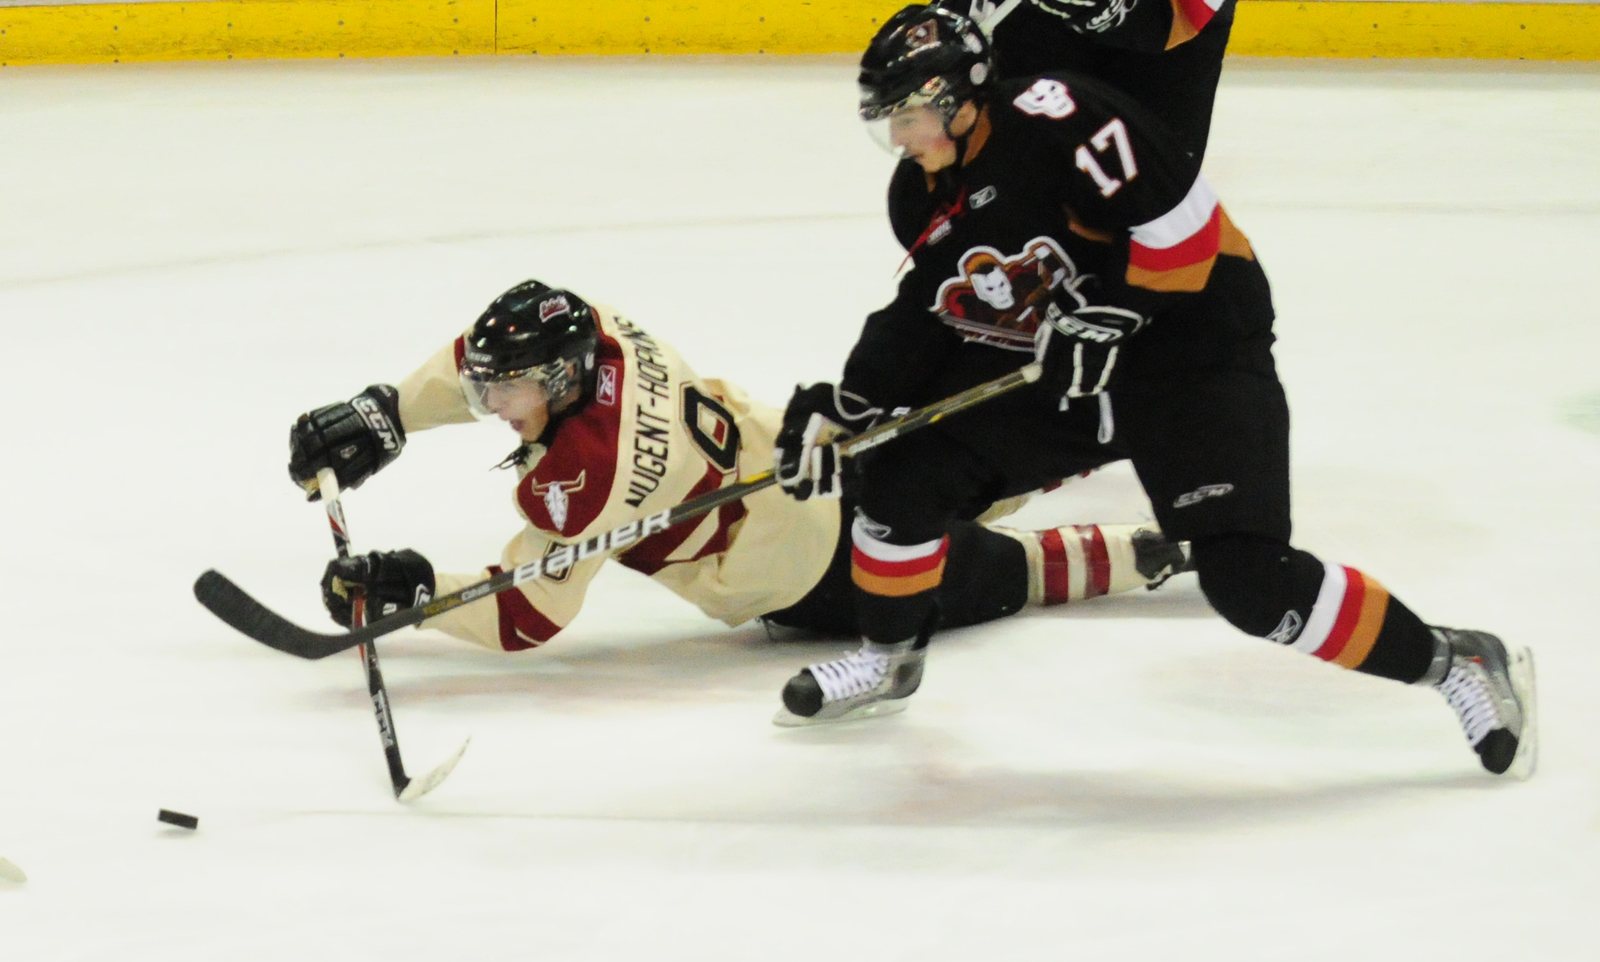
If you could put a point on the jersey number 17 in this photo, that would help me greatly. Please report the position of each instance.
(1050, 98)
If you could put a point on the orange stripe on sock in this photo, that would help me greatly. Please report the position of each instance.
(898, 579)
(1374, 608)
(891, 586)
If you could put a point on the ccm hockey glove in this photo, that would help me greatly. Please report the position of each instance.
(1084, 15)
(355, 438)
(806, 459)
(1078, 350)
(389, 580)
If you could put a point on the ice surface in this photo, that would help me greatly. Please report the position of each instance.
(192, 254)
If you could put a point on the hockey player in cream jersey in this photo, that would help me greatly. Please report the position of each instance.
(614, 426)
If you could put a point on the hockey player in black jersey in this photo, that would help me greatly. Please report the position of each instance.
(1165, 54)
(1154, 329)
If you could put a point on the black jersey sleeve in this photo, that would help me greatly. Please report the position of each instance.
(902, 342)
(898, 348)
(912, 205)
(1123, 179)
(1146, 26)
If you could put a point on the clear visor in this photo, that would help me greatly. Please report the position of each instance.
(510, 396)
(906, 130)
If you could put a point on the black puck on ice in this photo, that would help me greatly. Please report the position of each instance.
(178, 818)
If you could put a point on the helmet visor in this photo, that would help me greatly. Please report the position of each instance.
(514, 395)
(906, 129)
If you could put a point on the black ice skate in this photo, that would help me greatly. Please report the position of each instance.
(872, 681)
(1157, 559)
(1491, 689)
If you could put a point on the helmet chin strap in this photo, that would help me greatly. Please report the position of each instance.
(569, 399)
(961, 147)
(573, 390)
(960, 140)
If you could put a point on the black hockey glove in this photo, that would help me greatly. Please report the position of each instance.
(389, 580)
(1078, 350)
(1087, 16)
(355, 438)
(806, 460)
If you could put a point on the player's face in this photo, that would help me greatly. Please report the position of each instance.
(521, 403)
(916, 133)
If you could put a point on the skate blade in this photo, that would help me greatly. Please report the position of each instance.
(1523, 684)
(787, 719)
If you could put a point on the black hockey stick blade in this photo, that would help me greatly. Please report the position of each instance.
(235, 607)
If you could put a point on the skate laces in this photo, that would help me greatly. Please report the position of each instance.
(855, 674)
(1468, 689)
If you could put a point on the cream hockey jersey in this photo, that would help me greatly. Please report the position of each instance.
(653, 435)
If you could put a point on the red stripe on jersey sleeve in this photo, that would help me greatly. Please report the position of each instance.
(521, 625)
(1197, 12)
(1197, 248)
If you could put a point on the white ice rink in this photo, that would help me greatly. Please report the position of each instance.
(190, 255)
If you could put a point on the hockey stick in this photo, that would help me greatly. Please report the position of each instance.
(989, 22)
(229, 602)
(405, 788)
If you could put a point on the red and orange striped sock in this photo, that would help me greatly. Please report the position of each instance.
(1355, 623)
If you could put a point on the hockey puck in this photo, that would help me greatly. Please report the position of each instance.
(179, 819)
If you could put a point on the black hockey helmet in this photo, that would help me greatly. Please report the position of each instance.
(532, 332)
(924, 56)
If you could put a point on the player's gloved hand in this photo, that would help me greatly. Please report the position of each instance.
(1085, 15)
(355, 438)
(806, 459)
(389, 580)
(1077, 347)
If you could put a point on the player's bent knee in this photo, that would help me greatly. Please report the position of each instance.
(1252, 581)
(900, 494)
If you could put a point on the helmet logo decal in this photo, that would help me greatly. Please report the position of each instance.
(997, 299)
(924, 34)
(554, 307)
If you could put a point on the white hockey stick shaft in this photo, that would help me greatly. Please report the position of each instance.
(992, 19)
(405, 788)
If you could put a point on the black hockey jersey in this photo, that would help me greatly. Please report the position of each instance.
(1065, 186)
(1165, 54)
